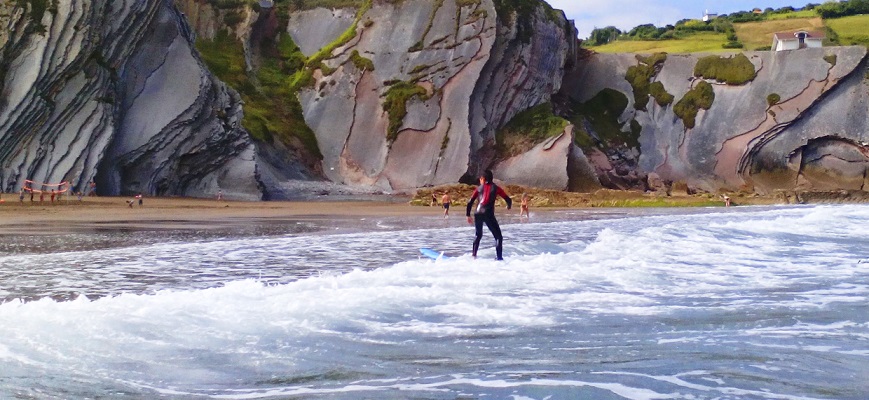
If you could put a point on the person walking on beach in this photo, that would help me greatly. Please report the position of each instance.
(523, 207)
(52, 195)
(446, 200)
(139, 197)
(487, 193)
(21, 196)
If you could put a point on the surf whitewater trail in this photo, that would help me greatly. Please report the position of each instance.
(754, 303)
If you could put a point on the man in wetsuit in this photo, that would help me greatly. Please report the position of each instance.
(487, 192)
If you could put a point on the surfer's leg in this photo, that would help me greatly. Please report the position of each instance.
(492, 223)
(478, 225)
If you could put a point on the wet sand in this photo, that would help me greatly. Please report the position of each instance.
(183, 213)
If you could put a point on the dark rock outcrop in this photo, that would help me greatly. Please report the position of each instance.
(114, 92)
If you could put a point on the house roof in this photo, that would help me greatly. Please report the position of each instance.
(793, 35)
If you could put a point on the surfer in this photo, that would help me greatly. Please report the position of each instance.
(487, 193)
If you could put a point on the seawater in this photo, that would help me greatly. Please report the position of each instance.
(744, 303)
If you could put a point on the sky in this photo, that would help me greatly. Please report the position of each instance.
(626, 14)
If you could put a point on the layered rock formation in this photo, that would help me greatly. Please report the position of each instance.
(391, 96)
(800, 123)
(113, 92)
(462, 70)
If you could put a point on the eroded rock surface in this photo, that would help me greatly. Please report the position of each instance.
(113, 92)
(812, 138)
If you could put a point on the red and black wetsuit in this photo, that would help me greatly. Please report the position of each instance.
(485, 213)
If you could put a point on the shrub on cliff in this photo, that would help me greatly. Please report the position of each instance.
(735, 70)
(603, 112)
(656, 89)
(640, 76)
(701, 96)
(271, 108)
(395, 104)
(527, 129)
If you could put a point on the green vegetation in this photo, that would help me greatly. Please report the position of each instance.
(316, 60)
(759, 34)
(840, 9)
(602, 112)
(361, 63)
(395, 104)
(736, 70)
(520, 11)
(656, 89)
(844, 22)
(773, 99)
(640, 76)
(296, 5)
(701, 96)
(271, 109)
(851, 30)
(805, 13)
(701, 42)
(831, 59)
(419, 45)
(527, 129)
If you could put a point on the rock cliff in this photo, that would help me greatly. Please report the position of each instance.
(113, 92)
(799, 121)
(271, 101)
(439, 78)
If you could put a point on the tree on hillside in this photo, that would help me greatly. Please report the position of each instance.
(601, 36)
(843, 8)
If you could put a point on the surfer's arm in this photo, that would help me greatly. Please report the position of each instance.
(471, 204)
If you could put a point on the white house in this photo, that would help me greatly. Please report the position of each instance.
(707, 16)
(797, 40)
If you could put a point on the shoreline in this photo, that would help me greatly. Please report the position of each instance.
(177, 213)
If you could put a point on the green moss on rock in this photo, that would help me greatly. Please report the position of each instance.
(528, 129)
(640, 77)
(656, 89)
(701, 96)
(271, 108)
(521, 12)
(602, 112)
(395, 104)
(773, 99)
(736, 70)
(361, 63)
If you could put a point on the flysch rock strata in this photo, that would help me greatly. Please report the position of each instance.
(113, 92)
(742, 142)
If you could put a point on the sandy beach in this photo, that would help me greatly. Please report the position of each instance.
(181, 213)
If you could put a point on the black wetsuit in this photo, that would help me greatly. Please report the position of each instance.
(485, 214)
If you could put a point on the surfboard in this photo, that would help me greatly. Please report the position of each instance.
(434, 255)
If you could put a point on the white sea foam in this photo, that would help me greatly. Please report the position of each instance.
(183, 318)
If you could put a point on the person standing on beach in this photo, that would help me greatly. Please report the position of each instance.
(139, 197)
(446, 200)
(21, 196)
(523, 207)
(487, 193)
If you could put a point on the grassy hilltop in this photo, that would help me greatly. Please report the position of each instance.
(844, 24)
